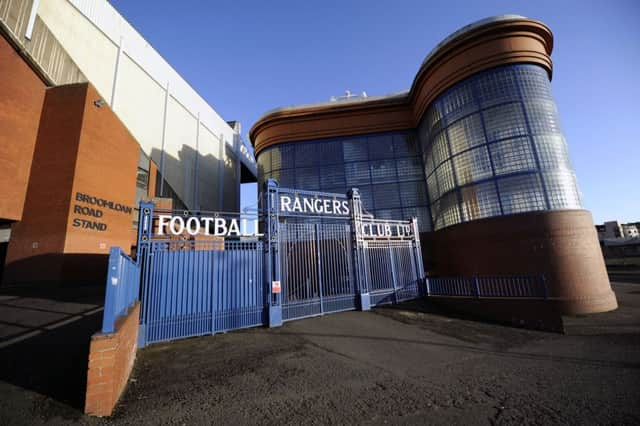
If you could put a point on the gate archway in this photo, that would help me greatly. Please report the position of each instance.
(204, 272)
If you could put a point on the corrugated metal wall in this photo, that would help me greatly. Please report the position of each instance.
(54, 62)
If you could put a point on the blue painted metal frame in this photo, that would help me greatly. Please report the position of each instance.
(123, 278)
(192, 287)
(272, 260)
(122, 288)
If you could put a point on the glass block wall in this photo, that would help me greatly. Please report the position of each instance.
(492, 145)
(386, 168)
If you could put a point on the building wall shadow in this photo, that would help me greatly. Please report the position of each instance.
(49, 357)
(59, 268)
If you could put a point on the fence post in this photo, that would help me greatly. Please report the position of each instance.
(417, 254)
(358, 258)
(476, 285)
(272, 263)
(114, 275)
(145, 233)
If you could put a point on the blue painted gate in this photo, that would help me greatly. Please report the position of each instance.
(304, 265)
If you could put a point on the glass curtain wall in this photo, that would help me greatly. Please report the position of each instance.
(386, 168)
(492, 145)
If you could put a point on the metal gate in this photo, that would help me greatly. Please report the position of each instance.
(195, 287)
(330, 262)
(317, 272)
(320, 253)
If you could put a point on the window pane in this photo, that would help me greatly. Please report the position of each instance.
(512, 155)
(562, 190)
(432, 187)
(409, 169)
(439, 149)
(543, 117)
(386, 196)
(472, 165)
(389, 214)
(307, 154)
(357, 173)
(480, 201)
(380, 146)
(405, 145)
(466, 133)
(307, 178)
(497, 87)
(354, 150)
(534, 82)
(366, 196)
(458, 102)
(504, 121)
(521, 194)
(444, 174)
(383, 171)
(330, 152)
(332, 176)
(447, 212)
(282, 157)
(285, 178)
(412, 193)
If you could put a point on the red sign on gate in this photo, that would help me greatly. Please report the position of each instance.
(275, 286)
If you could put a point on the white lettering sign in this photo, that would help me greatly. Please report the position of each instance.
(316, 206)
(384, 229)
(217, 227)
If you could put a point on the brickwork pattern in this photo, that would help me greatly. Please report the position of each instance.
(111, 358)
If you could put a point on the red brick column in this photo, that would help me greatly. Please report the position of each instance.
(111, 358)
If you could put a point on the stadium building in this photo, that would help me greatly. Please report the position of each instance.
(474, 150)
(93, 120)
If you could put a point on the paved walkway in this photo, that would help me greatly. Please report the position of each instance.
(391, 365)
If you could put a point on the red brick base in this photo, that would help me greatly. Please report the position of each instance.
(111, 358)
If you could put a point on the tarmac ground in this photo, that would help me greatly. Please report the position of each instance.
(403, 364)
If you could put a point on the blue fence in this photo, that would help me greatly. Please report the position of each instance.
(489, 286)
(122, 288)
(193, 288)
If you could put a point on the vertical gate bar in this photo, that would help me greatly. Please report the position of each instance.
(212, 288)
(393, 274)
(319, 266)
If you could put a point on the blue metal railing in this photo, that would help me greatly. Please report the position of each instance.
(489, 286)
(123, 288)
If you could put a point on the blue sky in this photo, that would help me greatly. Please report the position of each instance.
(248, 57)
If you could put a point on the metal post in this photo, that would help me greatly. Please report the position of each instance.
(417, 253)
(393, 275)
(114, 276)
(355, 205)
(272, 261)
(145, 232)
(145, 228)
(476, 284)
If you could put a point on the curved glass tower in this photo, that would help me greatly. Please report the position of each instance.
(492, 146)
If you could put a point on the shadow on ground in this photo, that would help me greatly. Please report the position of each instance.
(45, 333)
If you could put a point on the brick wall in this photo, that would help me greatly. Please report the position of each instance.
(111, 358)
(21, 99)
(81, 149)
